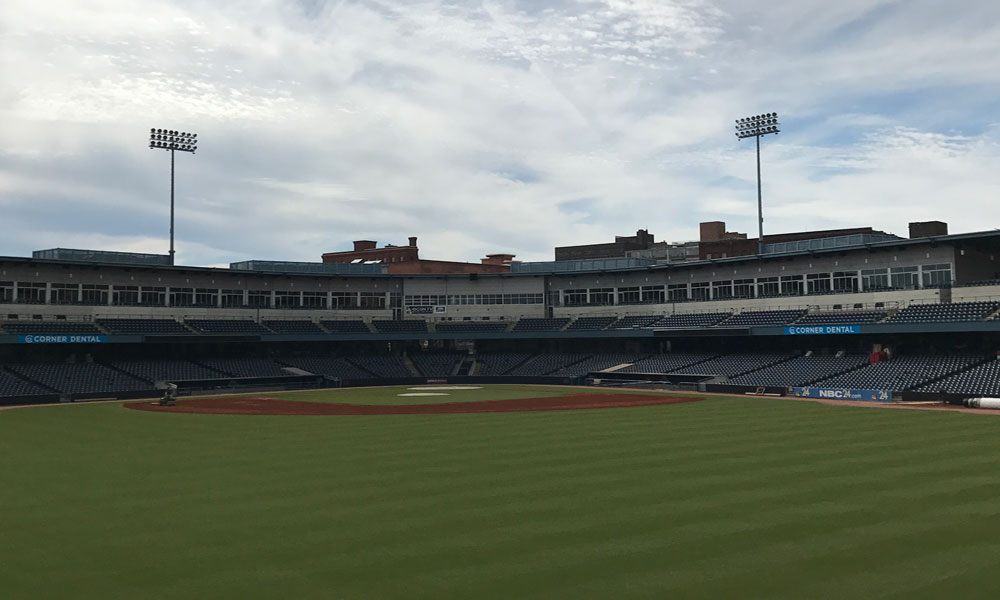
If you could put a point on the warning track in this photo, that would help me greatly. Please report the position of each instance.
(264, 405)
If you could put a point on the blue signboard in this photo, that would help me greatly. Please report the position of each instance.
(843, 394)
(62, 339)
(822, 329)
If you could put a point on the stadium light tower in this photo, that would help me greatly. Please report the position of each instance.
(173, 141)
(755, 127)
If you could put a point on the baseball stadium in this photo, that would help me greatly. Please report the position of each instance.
(476, 299)
(796, 422)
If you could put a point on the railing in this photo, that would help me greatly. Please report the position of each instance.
(841, 241)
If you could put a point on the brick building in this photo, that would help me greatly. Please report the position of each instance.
(715, 242)
(406, 259)
(642, 240)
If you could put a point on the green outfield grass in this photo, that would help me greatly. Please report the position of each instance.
(725, 498)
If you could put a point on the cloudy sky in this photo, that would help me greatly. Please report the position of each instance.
(499, 126)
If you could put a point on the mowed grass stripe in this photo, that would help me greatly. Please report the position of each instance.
(718, 498)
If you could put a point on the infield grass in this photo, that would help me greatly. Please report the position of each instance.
(725, 498)
(394, 394)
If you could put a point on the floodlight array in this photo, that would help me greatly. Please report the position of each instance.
(169, 139)
(757, 125)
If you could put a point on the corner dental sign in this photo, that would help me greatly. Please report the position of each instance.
(822, 329)
(62, 339)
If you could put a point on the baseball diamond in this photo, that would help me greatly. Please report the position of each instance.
(723, 497)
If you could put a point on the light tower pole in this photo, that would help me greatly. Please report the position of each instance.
(755, 127)
(173, 141)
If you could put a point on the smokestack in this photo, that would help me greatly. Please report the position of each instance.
(413, 241)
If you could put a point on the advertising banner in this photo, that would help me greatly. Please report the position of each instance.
(62, 339)
(822, 329)
(843, 394)
(426, 310)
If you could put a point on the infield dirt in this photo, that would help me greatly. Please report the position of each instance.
(264, 405)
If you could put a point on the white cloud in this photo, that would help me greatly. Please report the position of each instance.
(493, 126)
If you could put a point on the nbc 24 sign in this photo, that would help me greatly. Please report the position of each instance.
(843, 394)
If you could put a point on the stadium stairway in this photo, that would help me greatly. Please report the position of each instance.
(583, 357)
(478, 366)
(986, 359)
(412, 367)
(467, 366)
(587, 357)
(126, 373)
(724, 378)
(295, 370)
(527, 358)
(837, 374)
(359, 366)
(777, 362)
(624, 365)
(30, 380)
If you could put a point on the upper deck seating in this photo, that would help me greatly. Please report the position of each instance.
(540, 324)
(762, 318)
(944, 313)
(301, 327)
(38, 327)
(471, 326)
(406, 326)
(227, 326)
(144, 327)
(353, 326)
(590, 323)
(691, 319)
(635, 322)
(841, 318)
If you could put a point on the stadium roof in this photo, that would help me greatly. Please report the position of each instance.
(117, 259)
(103, 256)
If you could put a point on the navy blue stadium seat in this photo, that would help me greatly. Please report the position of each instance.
(944, 313)
(540, 324)
(590, 323)
(144, 327)
(405, 326)
(354, 326)
(227, 326)
(301, 327)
